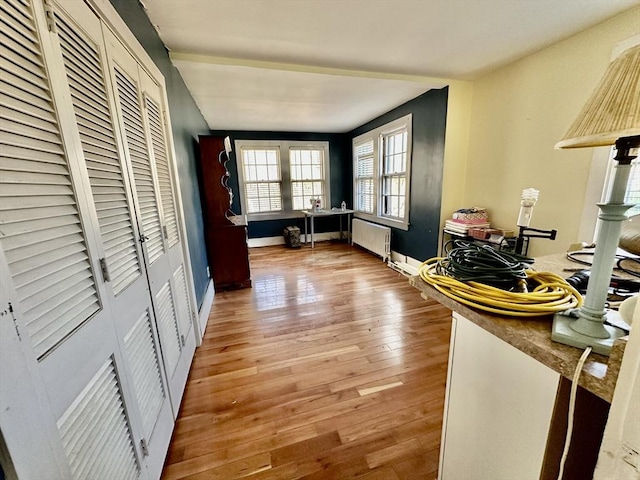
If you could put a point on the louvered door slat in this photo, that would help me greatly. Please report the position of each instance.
(23, 99)
(20, 165)
(24, 136)
(11, 49)
(29, 227)
(96, 142)
(32, 143)
(12, 203)
(18, 10)
(17, 244)
(167, 328)
(27, 74)
(75, 271)
(24, 154)
(45, 213)
(164, 176)
(33, 262)
(182, 298)
(9, 114)
(82, 62)
(145, 365)
(19, 130)
(130, 106)
(95, 431)
(62, 285)
(45, 245)
(102, 164)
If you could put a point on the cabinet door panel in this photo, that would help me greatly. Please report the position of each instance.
(498, 408)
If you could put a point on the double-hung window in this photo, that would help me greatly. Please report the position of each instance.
(262, 180)
(279, 178)
(307, 176)
(382, 169)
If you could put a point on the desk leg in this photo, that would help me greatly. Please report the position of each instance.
(305, 229)
(349, 237)
(312, 227)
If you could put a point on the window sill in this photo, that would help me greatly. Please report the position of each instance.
(260, 217)
(400, 225)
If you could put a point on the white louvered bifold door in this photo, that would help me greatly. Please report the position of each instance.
(87, 75)
(157, 126)
(53, 288)
(92, 293)
(143, 137)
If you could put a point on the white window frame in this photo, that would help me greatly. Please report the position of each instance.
(285, 175)
(377, 136)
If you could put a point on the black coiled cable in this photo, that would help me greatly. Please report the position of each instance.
(468, 261)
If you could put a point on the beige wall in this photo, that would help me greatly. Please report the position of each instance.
(517, 114)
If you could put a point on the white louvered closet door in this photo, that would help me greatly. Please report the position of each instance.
(160, 239)
(62, 338)
(79, 35)
(156, 127)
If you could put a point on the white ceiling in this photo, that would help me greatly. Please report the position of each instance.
(332, 65)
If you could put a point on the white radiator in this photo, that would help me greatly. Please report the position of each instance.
(373, 237)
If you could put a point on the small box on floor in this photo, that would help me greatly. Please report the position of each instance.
(292, 237)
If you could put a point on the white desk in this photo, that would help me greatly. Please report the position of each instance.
(326, 213)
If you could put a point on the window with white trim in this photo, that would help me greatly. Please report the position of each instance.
(279, 178)
(307, 176)
(382, 169)
(262, 180)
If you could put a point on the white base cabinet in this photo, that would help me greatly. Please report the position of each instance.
(498, 408)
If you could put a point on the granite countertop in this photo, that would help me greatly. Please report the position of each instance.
(533, 337)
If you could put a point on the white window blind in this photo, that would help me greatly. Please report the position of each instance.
(364, 174)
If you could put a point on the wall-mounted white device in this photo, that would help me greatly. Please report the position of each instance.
(527, 201)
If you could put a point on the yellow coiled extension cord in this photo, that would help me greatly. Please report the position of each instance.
(553, 294)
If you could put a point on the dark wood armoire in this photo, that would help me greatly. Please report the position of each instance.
(225, 232)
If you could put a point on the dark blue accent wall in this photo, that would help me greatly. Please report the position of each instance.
(187, 123)
(429, 120)
(340, 169)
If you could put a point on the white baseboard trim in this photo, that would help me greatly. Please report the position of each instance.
(205, 310)
(269, 241)
(402, 263)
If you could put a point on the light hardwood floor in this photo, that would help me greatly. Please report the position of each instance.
(330, 367)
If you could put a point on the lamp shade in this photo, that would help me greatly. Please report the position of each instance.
(613, 110)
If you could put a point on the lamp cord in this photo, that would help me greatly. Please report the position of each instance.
(572, 405)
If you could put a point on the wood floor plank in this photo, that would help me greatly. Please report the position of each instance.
(331, 367)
